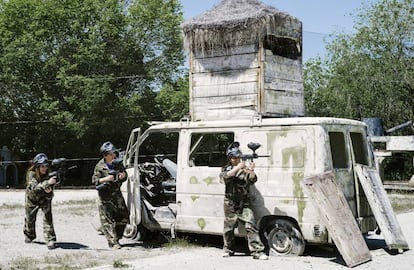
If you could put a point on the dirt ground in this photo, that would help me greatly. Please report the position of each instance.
(79, 244)
(81, 247)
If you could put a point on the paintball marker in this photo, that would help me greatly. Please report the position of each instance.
(59, 169)
(117, 167)
(252, 146)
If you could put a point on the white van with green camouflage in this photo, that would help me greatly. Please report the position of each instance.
(174, 176)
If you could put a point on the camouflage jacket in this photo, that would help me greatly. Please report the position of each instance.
(111, 188)
(237, 187)
(35, 190)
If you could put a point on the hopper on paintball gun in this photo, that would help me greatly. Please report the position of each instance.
(59, 169)
(252, 146)
(117, 167)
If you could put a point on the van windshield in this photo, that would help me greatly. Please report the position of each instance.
(338, 150)
(359, 147)
(159, 144)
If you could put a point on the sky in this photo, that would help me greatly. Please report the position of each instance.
(319, 18)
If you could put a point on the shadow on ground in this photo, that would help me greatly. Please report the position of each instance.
(70, 245)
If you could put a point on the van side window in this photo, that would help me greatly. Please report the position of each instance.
(209, 149)
(338, 150)
(159, 144)
(359, 148)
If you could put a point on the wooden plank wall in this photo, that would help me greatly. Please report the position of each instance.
(243, 81)
(283, 85)
(224, 84)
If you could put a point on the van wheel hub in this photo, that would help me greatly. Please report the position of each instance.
(284, 238)
(281, 242)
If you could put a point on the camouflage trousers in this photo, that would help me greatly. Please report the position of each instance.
(114, 217)
(30, 220)
(232, 219)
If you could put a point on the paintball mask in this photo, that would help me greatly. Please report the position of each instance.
(40, 159)
(233, 150)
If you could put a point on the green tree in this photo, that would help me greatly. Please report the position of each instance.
(368, 73)
(83, 71)
(173, 101)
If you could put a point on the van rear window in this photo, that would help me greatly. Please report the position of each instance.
(338, 150)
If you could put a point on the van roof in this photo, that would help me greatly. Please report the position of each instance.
(291, 121)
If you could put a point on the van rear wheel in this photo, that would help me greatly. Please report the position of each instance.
(284, 238)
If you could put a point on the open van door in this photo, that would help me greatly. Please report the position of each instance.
(132, 186)
(381, 206)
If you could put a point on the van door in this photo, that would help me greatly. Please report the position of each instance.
(130, 188)
(342, 166)
(200, 195)
(155, 170)
(361, 155)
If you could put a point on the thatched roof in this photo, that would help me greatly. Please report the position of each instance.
(237, 22)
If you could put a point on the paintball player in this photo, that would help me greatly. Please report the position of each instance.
(113, 211)
(238, 177)
(39, 194)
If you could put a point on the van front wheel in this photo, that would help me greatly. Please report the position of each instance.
(284, 238)
(135, 232)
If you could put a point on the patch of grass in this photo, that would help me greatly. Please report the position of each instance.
(401, 202)
(181, 242)
(60, 262)
(23, 263)
(66, 262)
(14, 206)
(84, 207)
(78, 202)
(82, 211)
(120, 264)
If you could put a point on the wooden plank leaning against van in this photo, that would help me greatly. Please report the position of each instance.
(337, 217)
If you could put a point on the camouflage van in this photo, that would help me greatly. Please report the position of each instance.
(174, 176)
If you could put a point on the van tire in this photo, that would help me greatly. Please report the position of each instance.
(135, 232)
(283, 238)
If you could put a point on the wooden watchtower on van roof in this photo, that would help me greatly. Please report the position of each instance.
(245, 59)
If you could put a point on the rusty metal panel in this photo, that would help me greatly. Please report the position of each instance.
(337, 217)
(381, 207)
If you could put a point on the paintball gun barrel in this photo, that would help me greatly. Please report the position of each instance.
(252, 146)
